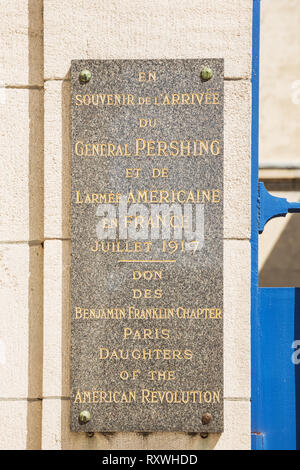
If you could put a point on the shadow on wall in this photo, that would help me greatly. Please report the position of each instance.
(282, 267)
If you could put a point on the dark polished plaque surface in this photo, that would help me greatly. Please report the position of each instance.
(147, 246)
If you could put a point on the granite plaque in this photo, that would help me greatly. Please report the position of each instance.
(147, 245)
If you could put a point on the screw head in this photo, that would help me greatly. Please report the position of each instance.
(206, 418)
(84, 417)
(206, 73)
(85, 76)
(204, 435)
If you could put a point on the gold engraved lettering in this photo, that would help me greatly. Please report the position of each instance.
(146, 333)
(133, 172)
(145, 354)
(101, 396)
(147, 275)
(180, 396)
(147, 77)
(161, 375)
(147, 294)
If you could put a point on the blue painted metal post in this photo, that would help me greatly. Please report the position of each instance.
(256, 439)
(275, 312)
(272, 206)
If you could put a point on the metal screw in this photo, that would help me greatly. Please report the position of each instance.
(206, 73)
(204, 435)
(84, 416)
(85, 76)
(206, 418)
(90, 434)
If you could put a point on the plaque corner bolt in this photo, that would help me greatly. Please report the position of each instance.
(84, 417)
(206, 74)
(206, 418)
(85, 76)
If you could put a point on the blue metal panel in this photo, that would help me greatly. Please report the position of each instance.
(278, 402)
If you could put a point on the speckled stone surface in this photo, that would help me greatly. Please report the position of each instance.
(159, 371)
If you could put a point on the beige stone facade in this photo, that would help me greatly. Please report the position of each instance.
(40, 37)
